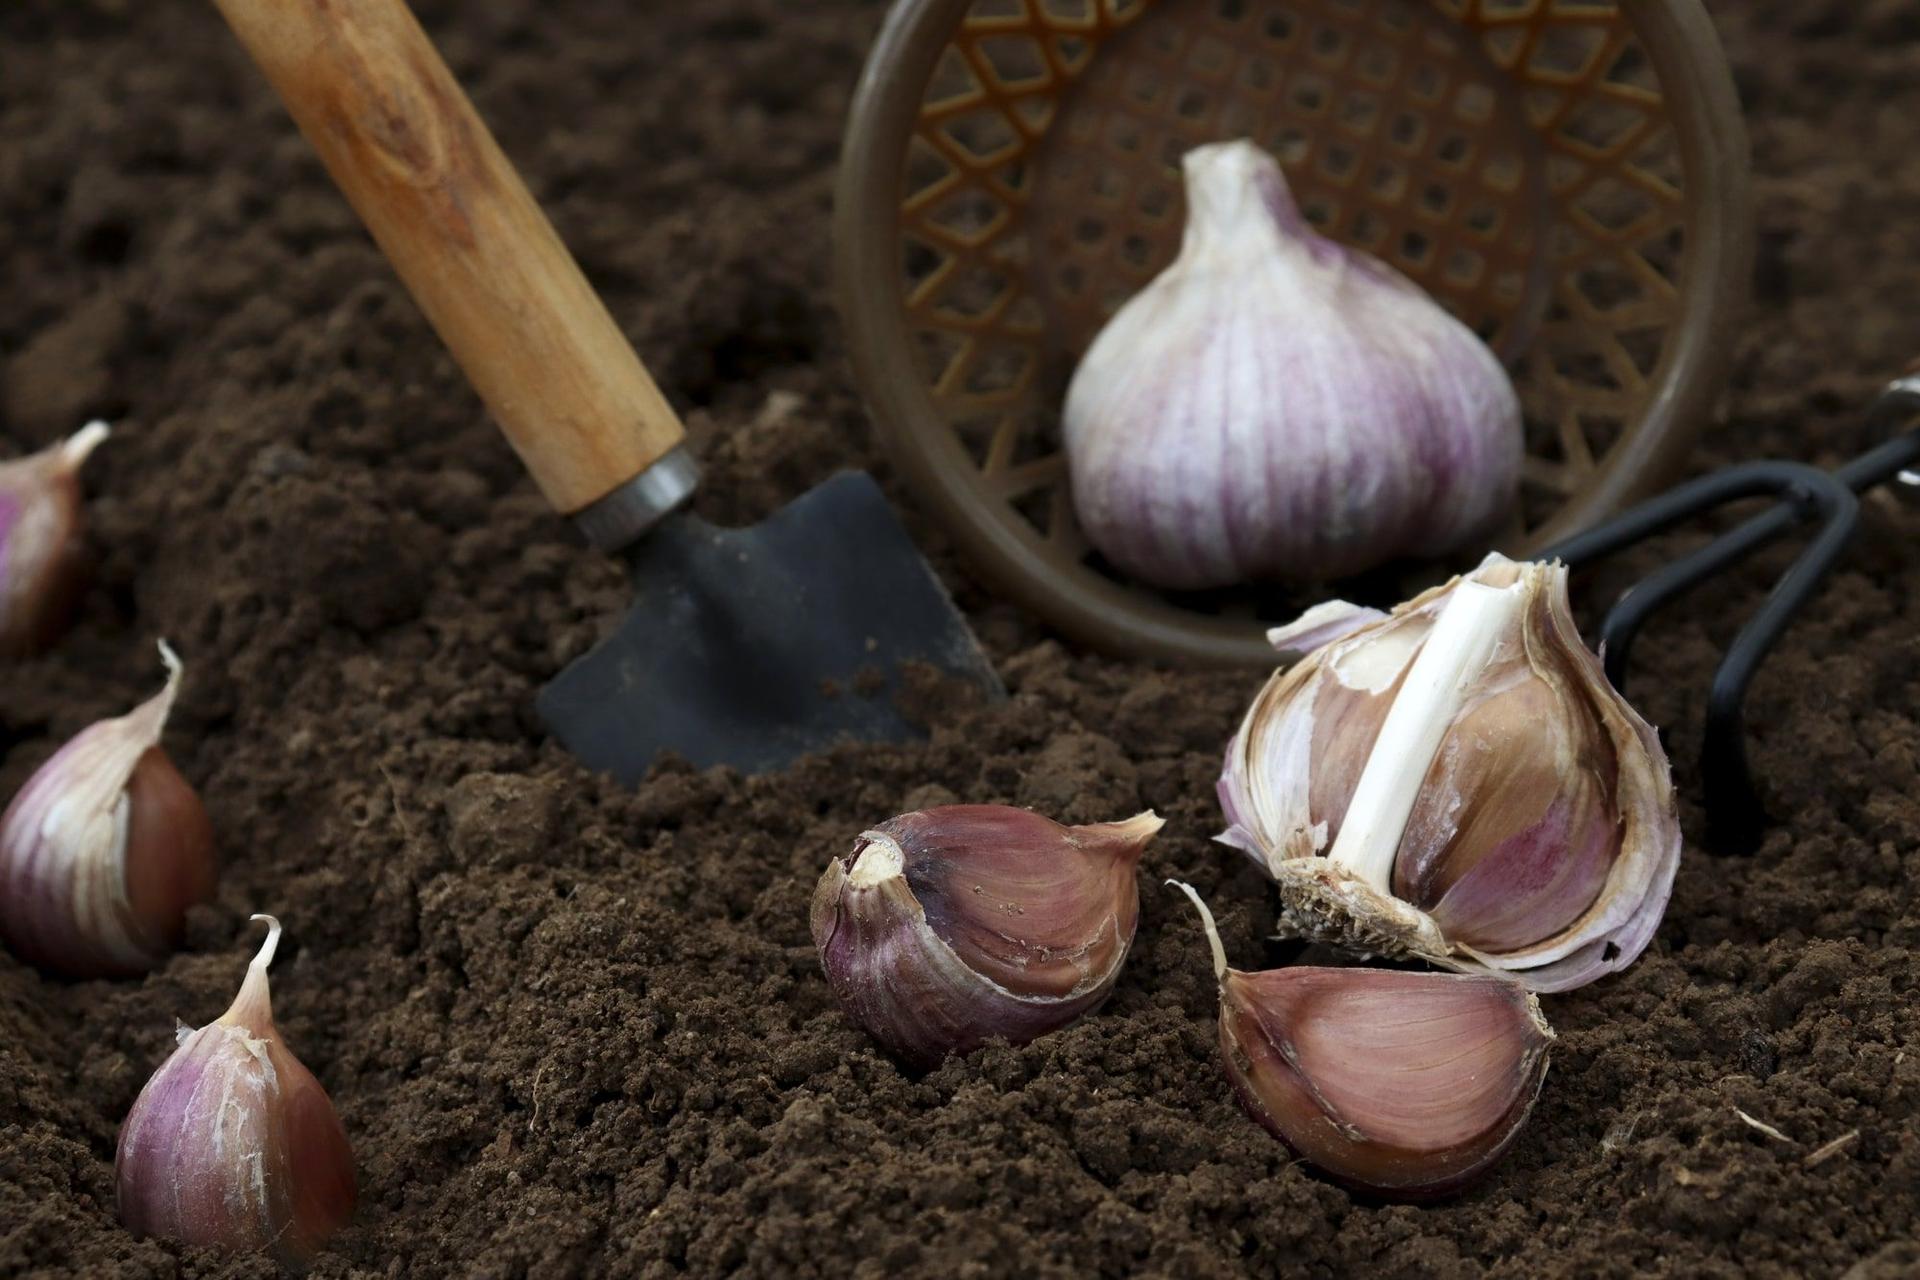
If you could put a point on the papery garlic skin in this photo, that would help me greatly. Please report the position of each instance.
(40, 517)
(1404, 1085)
(1276, 405)
(949, 927)
(1534, 834)
(233, 1142)
(104, 849)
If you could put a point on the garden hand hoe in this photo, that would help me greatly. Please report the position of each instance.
(747, 647)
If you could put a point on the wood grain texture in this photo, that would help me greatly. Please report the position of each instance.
(405, 145)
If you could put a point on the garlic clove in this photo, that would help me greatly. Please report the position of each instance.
(233, 1143)
(1458, 783)
(1549, 832)
(1402, 1085)
(949, 927)
(1278, 405)
(1407, 1085)
(104, 849)
(40, 517)
(169, 863)
(975, 867)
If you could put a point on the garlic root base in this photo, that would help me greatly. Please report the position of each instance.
(1320, 904)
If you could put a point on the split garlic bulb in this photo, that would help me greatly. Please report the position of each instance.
(105, 848)
(1276, 405)
(1457, 782)
(233, 1142)
(948, 927)
(1404, 1085)
(40, 565)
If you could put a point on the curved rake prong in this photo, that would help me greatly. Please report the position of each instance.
(1899, 402)
(1733, 808)
(1807, 492)
(1734, 815)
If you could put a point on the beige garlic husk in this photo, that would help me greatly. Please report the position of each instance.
(1278, 405)
(104, 849)
(1456, 782)
(40, 560)
(233, 1143)
(1404, 1085)
(952, 926)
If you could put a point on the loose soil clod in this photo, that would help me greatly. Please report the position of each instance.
(303, 496)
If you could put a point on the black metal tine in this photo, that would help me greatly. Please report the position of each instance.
(1654, 516)
(1897, 403)
(1734, 815)
(1900, 401)
(1807, 491)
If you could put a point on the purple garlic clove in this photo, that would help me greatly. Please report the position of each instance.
(40, 564)
(949, 927)
(233, 1143)
(1407, 1086)
(104, 849)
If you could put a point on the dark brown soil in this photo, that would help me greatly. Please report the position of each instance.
(576, 1030)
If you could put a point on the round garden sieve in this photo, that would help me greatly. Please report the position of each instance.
(1568, 176)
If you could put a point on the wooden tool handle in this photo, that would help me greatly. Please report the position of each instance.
(403, 142)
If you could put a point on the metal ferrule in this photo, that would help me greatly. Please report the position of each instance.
(620, 517)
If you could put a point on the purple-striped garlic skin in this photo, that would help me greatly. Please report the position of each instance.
(233, 1143)
(1276, 405)
(40, 563)
(104, 849)
(948, 927)
(1508, 814)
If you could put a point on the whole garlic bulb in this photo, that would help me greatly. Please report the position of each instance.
(40, 515)
(1276, 405)
(1457, 782)
(105, 848)
(1403, 1085)
(948, 927)
(233, 1142)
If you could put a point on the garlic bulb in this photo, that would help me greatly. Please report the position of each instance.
(1276, 405)
(1457, 782)
(40, 516)
(233, 1142)
(104, 849)
(1404, 1085)
(949, 927)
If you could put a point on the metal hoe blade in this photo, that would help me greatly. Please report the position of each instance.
(753, 647)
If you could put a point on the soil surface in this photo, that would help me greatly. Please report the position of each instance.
(575, 1029)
